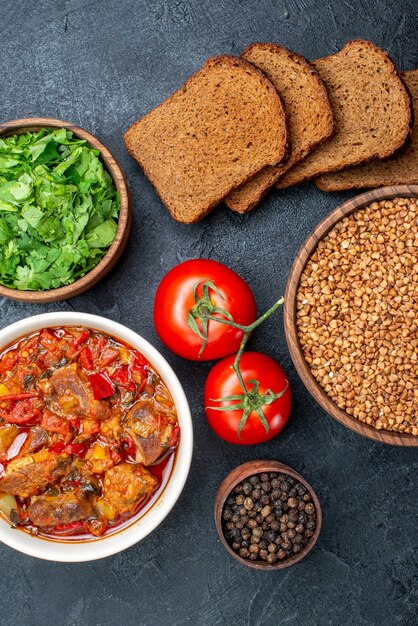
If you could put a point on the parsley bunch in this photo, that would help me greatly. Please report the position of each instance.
(58, 209)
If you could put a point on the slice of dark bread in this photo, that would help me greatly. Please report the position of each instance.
(399, 169)
(372, 111)
(308, 112)
(225, 124)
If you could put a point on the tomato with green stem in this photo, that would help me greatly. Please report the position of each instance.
(252, 416)
(190, 300)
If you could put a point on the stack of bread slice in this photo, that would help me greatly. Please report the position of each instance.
(242, 125)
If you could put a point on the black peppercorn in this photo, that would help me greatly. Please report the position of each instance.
(269, 517)
(257, 532)
(300, 489)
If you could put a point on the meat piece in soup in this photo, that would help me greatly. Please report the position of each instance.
(62, 509)
(124, 486)
(32, 474)
(71, 395)
(150, 429)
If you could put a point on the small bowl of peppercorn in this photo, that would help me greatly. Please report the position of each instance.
(267, 515)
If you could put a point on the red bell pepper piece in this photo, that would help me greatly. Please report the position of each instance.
(174, 437)
(48, 341)
(128, 446)
(76, 344)
(101, 385)
(139, 360)
(78, 449)
(86, 358)
(122, 376)
(27, 395)
(57, 447)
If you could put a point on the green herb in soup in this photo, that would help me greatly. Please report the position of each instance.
(58, 209)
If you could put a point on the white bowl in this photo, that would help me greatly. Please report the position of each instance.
(89, 550)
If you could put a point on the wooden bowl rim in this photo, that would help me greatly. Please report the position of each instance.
(305, 252)
(257, 467)
(118, 245)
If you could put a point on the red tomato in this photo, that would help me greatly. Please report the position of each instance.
(24, 412)
(174, 299)
(223, 381)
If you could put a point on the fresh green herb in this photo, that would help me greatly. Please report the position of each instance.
(58, 209)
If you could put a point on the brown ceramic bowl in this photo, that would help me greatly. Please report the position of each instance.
(359, 202)
(124, 223)
(257, 467)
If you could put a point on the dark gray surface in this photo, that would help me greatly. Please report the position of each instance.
(102, 64)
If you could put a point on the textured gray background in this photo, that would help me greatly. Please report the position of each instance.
(102, 64)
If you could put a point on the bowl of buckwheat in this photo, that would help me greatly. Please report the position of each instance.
(351, 314)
